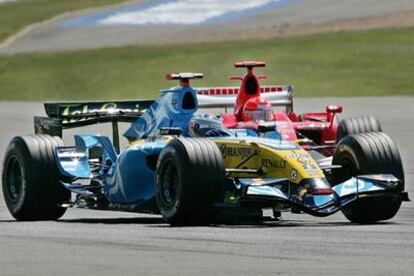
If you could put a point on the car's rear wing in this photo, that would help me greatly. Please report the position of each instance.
(64, 115)
(212, 97)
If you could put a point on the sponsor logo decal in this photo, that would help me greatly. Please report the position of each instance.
(273, 163)
(242, 152)
(304, 159)
(79, 109)
(293, 174)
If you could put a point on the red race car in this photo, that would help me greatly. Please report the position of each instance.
(253, 109)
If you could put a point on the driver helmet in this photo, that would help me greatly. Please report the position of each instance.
(205, 125)
(257, 109)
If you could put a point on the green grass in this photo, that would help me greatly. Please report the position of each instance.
(365, 63)
(16, 15)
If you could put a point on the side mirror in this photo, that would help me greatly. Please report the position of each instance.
(334, 108)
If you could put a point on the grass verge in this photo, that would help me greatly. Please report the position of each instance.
(363, 63)
(18, 14)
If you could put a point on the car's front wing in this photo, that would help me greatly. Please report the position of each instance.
(322, 202)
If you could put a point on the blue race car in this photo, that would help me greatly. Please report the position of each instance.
(191, 170)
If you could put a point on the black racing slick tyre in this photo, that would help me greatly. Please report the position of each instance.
(189, 177)
(30, 179)
(369, 153)
(357, 125)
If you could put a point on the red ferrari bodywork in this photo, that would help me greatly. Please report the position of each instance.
(311, 130)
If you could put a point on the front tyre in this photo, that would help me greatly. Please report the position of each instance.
(30, 179)
(369, 153)
(189, 177)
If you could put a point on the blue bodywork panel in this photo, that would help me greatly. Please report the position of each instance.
(126, 178)
(74, 161)
(133, 179)
(174, 108)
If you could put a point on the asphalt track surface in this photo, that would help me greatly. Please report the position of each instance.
(88, 242)
(287, 17)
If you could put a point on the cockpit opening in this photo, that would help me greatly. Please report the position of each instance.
(251, 85)
(188, 101)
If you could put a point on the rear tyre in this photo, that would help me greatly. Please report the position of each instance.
(189, 177)
(369, 153)
(30, 179)
(357, 125)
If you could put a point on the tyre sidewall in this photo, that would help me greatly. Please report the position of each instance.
(349, 149)
(14, 205)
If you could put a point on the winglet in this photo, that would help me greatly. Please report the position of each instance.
(249, 64)
(236, 77)
(184, 77)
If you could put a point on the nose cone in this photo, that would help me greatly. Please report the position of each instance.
(316, 193)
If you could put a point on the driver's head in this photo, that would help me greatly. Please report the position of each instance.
(257, 109)
(205, 125)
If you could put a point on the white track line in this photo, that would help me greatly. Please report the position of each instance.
(183, 12)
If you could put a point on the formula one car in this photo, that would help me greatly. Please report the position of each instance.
(253, 109)
(190, 169)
